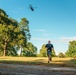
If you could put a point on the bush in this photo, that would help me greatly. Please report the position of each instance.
(61, 55)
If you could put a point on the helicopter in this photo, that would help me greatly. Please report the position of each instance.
(31, 7)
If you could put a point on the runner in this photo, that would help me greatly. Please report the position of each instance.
(49, 47)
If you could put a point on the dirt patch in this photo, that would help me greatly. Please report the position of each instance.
(14, 69)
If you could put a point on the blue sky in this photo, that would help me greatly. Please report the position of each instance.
(53, 20)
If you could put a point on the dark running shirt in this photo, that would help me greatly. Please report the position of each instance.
(49, 47)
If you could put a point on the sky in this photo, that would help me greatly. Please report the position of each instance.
(53, 20)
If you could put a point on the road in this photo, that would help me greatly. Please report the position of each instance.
(15, 69)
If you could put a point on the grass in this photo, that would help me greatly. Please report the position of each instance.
(56, 62)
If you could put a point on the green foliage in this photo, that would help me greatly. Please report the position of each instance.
(61, 55)
(43, 51)
(29, 50)
(71, 52)
(3, 13)
(53, 53)
(12, 33)
(24, 27)
(1, 52)
(11, 51)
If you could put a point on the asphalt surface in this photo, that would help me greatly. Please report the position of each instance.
(15, 69)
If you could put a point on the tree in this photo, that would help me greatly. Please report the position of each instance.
(9, 37)
(71, 52)
(3, 13)
(5, 25)
(61, 55)
(43, 51)
(10, 34)
(30, 50)
(24, 27)
(4, 18)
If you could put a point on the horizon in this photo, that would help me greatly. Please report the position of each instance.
(53, 20)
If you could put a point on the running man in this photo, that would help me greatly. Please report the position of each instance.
(49, 47)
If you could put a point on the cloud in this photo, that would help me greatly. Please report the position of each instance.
(67, 39)
(46, 34)
(45, 40)
(40, 30)
(60, 40)
(39, 39)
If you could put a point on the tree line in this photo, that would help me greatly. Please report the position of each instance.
(14, 36)
(71, 52)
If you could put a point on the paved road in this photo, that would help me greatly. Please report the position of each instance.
(14, 69)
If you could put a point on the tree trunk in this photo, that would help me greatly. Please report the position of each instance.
(4, 52)
(5, 48)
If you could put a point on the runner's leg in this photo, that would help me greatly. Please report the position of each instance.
(50, 57)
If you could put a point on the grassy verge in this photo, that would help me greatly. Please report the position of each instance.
(56, 62)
